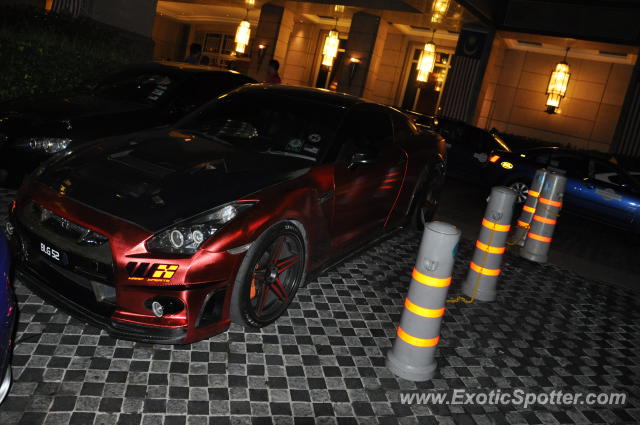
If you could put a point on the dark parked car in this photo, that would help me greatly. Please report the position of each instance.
(468, 147)
(7, 318)
(169, 235)
(597, 187)
(135, 98)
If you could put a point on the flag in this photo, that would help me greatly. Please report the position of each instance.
(68, 7)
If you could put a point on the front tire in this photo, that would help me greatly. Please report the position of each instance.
(269, 277)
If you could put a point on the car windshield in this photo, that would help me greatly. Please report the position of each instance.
(141, 87)
(268, 122)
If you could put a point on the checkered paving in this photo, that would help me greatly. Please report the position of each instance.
(324, 361)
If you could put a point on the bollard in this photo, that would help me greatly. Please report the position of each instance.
(413, 354)
(536, 248)
(485, 265)
(528, 209)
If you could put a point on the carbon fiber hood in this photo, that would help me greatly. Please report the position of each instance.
(158, 178)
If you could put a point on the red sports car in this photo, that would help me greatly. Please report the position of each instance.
(166, 236)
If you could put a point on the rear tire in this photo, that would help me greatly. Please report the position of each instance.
(427, 199)
(269, 277)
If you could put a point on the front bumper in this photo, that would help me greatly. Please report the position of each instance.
(64, 295)
(102, 285)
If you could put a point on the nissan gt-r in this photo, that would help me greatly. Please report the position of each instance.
(166, 236)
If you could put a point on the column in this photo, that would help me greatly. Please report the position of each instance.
(363, 44)
(273, 32)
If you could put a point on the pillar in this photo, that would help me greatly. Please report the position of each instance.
(626, 140)
(273, 32)
(362, 44)
(464, 81)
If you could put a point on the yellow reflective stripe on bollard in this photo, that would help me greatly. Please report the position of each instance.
(418, 342)
(528, 209)
(523, 224)
(487, 272)
(533, 193)
(491, 249)
(424, 312)
(544, 220)
(550, 202)
(495, 226)
(430, 281)
(538, 237)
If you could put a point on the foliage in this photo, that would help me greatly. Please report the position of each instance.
(44, 52)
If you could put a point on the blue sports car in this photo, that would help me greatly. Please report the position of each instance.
(597, 186)
(7, 318)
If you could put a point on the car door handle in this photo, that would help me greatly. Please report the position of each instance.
(324, 197)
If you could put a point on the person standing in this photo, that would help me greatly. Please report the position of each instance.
(273, 77)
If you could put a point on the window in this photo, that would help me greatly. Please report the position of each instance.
(403, 127)
(269, 123)
(368, 129)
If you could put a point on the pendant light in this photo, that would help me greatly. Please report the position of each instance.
(243, 34)
(557, 87)
(331, 45)
(427, 60)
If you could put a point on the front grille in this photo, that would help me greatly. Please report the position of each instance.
(62, 226)
(89, 268)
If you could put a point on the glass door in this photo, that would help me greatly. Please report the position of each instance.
(327, 77)
(425, 97)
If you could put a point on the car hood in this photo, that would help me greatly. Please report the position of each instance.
(59, 113)
(162, 177)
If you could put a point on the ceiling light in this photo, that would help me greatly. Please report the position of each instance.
(427, 61)
(330, 49)
(439, 10)
(557, 87)
(243, 33)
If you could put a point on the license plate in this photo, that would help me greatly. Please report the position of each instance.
(54, 254)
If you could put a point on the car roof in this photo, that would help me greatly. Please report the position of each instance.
(341, 100)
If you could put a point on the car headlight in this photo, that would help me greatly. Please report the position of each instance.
(186, 238)
(46, 144)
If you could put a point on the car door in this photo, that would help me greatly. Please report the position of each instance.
(611, 193)
(368, 174)
(577, 197)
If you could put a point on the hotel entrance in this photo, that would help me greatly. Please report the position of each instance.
(425, 97)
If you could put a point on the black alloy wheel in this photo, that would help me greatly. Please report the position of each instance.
(269, 277)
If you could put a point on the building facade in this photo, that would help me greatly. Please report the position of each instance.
(492, 63)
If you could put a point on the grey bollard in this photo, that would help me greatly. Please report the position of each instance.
(484, 269)
(536, 248)
(413, 354)
(529, 208)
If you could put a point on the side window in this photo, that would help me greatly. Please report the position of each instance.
(403, 127)
(368, 129)
(574, 166)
